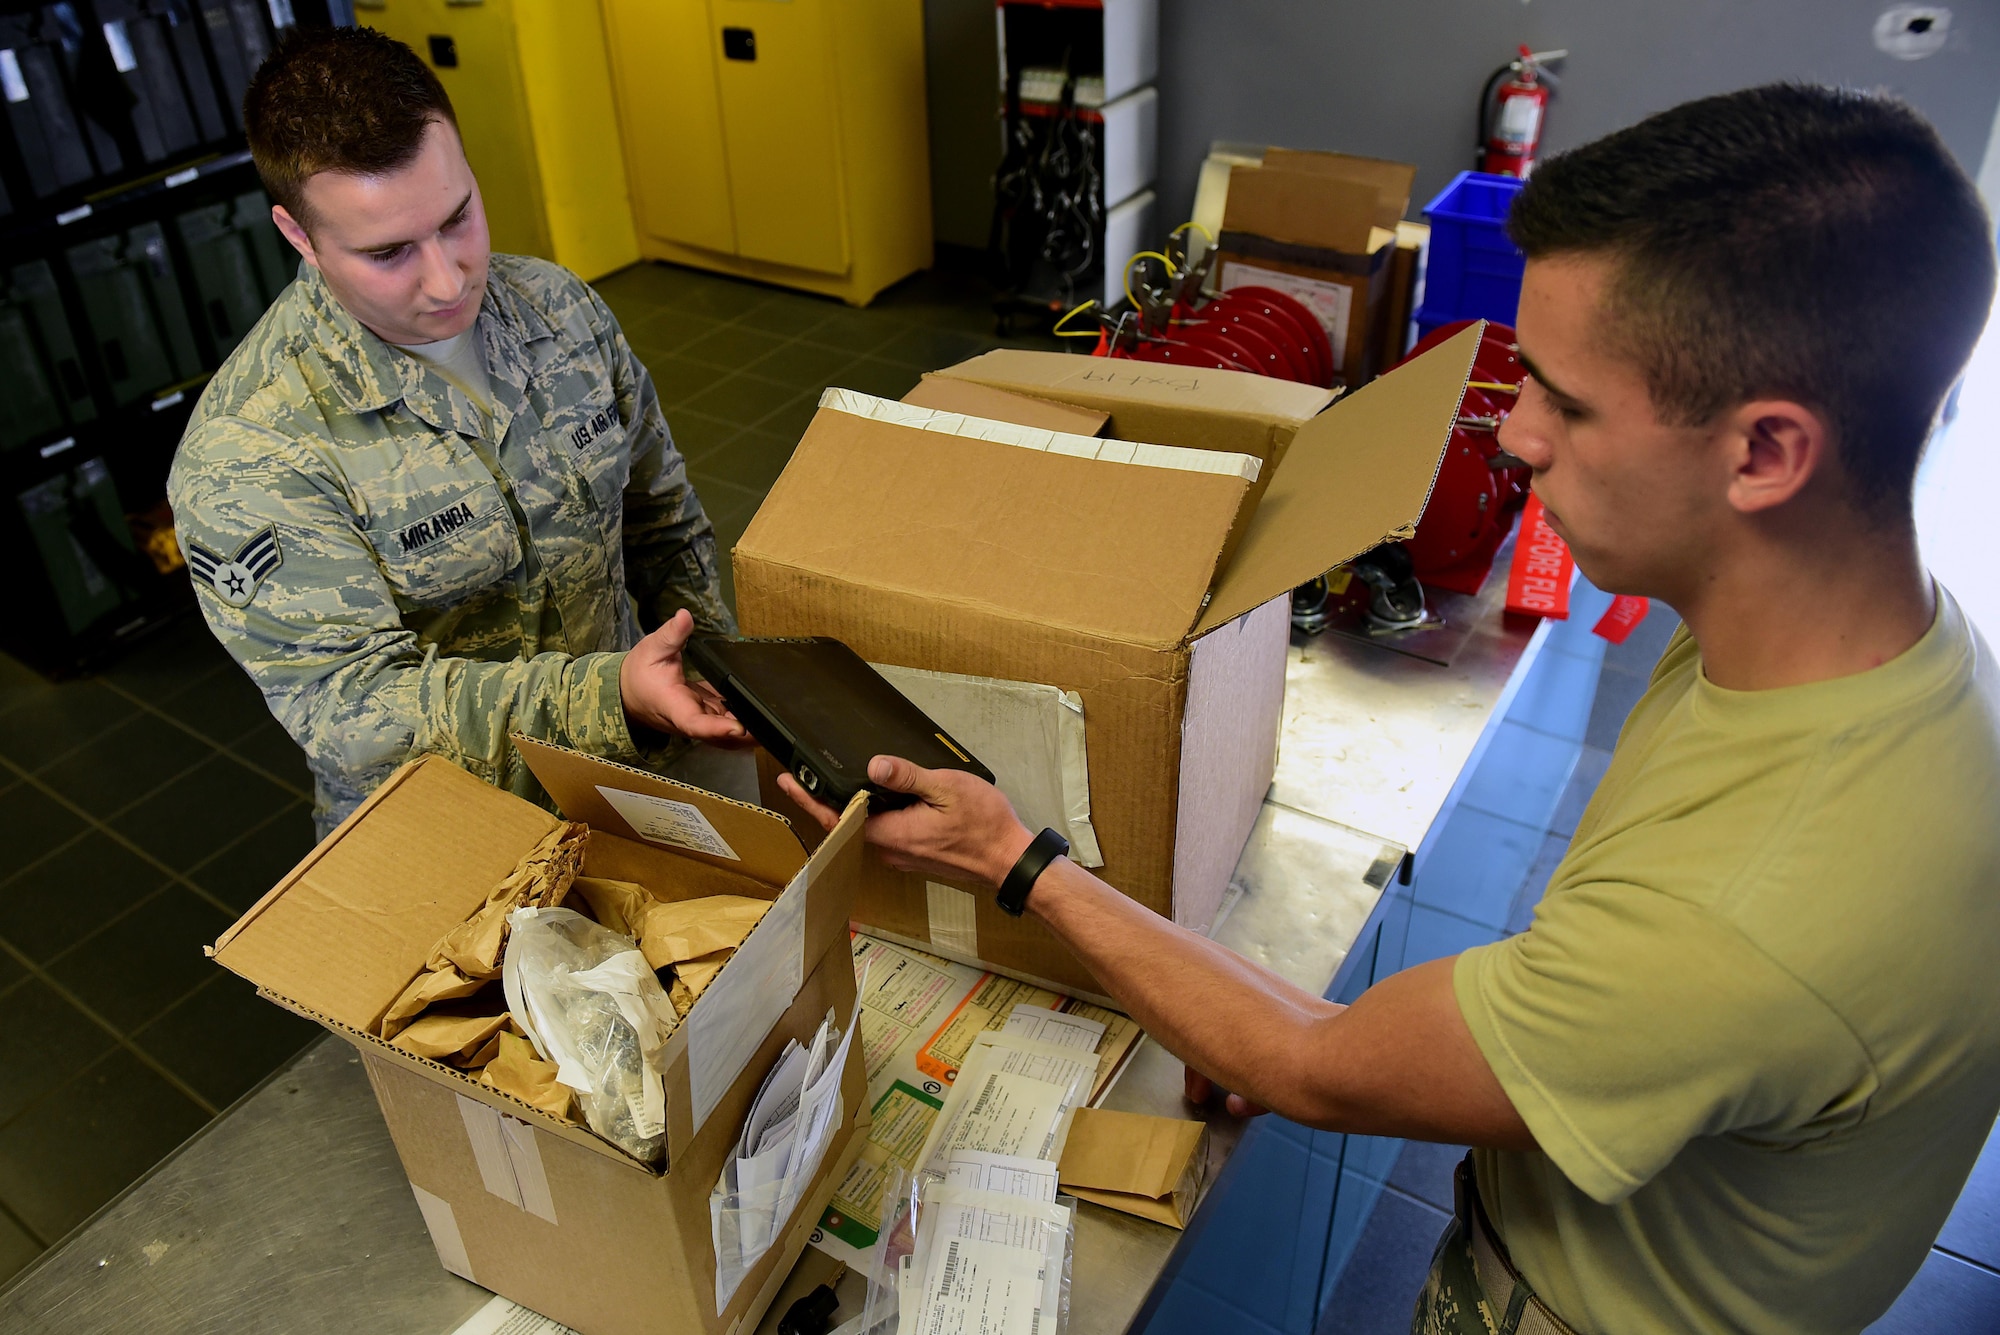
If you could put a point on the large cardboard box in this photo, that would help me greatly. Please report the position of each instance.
(1322, 227)
(1158, 595)
(526, 1204)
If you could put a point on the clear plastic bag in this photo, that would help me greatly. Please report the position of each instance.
(591, 1004)
(951, 1260)
(791, 1124)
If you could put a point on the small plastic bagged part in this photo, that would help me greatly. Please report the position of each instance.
(591, 1004)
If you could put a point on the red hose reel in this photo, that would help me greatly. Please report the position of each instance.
(1479, 487)
(1255, 329)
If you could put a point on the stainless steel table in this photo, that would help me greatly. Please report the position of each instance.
(290, 1213)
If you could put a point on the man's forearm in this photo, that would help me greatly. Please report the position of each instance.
(1240, 1024)
(1400, 1062)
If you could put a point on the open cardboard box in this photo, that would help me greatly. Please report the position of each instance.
(1323, 228)
(1160, 595)
(531, 1206)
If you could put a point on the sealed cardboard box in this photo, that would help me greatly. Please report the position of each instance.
(1143, 575)
(1322, 228)
(523, 1202)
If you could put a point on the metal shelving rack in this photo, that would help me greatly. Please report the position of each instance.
(1076, 76)
(137, 251)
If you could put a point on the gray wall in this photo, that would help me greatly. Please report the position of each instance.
(1398, 80)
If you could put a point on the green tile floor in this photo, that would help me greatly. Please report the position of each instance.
(144, 808)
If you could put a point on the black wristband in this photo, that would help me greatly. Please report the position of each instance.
(1044, 849)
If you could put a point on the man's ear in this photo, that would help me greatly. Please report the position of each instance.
(295, 233)
(1776, 447)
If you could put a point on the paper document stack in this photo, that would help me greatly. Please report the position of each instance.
(1014, 1095)
(783, 1140)
(989, 1252)
(976, 1242)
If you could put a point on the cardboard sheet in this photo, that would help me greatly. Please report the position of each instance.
(1151, 1167)
(1031, 736)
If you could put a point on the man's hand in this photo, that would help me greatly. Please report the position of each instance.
(1199, 1090)
(659, 696)
(960, 827)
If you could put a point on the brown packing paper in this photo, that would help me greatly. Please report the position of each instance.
(519, 1072)
(700, 971)
(691, 928)
(1151, 1167)
(669, 932)
(458, 1039)
(446, 984)
(469, 954)
(619, 905)
(539, 880)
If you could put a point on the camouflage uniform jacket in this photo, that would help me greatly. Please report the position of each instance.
(400, 577)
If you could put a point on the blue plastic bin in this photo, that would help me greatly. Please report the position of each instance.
(1474, 271)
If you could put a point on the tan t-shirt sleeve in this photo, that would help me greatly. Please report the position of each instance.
(1627, 1022)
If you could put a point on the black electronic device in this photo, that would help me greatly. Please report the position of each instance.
(824, 713)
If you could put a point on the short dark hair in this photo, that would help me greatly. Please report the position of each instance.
(1811, 243)
(348, 100)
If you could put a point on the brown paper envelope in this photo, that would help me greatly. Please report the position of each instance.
(690, 928)
(518, 1071)
(1132, 1162)
(619, 905)
(1165, 1211)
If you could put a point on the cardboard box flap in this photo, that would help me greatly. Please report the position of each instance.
(1112, 548)
(963, 396)
(1302, 208)
(1357, 475)
(1391, 181)
(1112, 384)
(344, 933)
(652, 810)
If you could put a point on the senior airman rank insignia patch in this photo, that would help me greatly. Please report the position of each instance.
(235, 579)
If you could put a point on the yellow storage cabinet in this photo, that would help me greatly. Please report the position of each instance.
(532, 89)
(781, 141)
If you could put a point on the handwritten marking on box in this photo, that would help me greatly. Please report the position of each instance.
(661, 820)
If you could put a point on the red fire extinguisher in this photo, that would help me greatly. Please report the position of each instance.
(1510, 124)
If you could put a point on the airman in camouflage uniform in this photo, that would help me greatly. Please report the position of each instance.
(398, 574)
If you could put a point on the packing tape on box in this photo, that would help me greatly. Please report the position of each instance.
(954, 919)
(510, 1163)
(443, 1226)
(1182, 458)
(747, 998)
